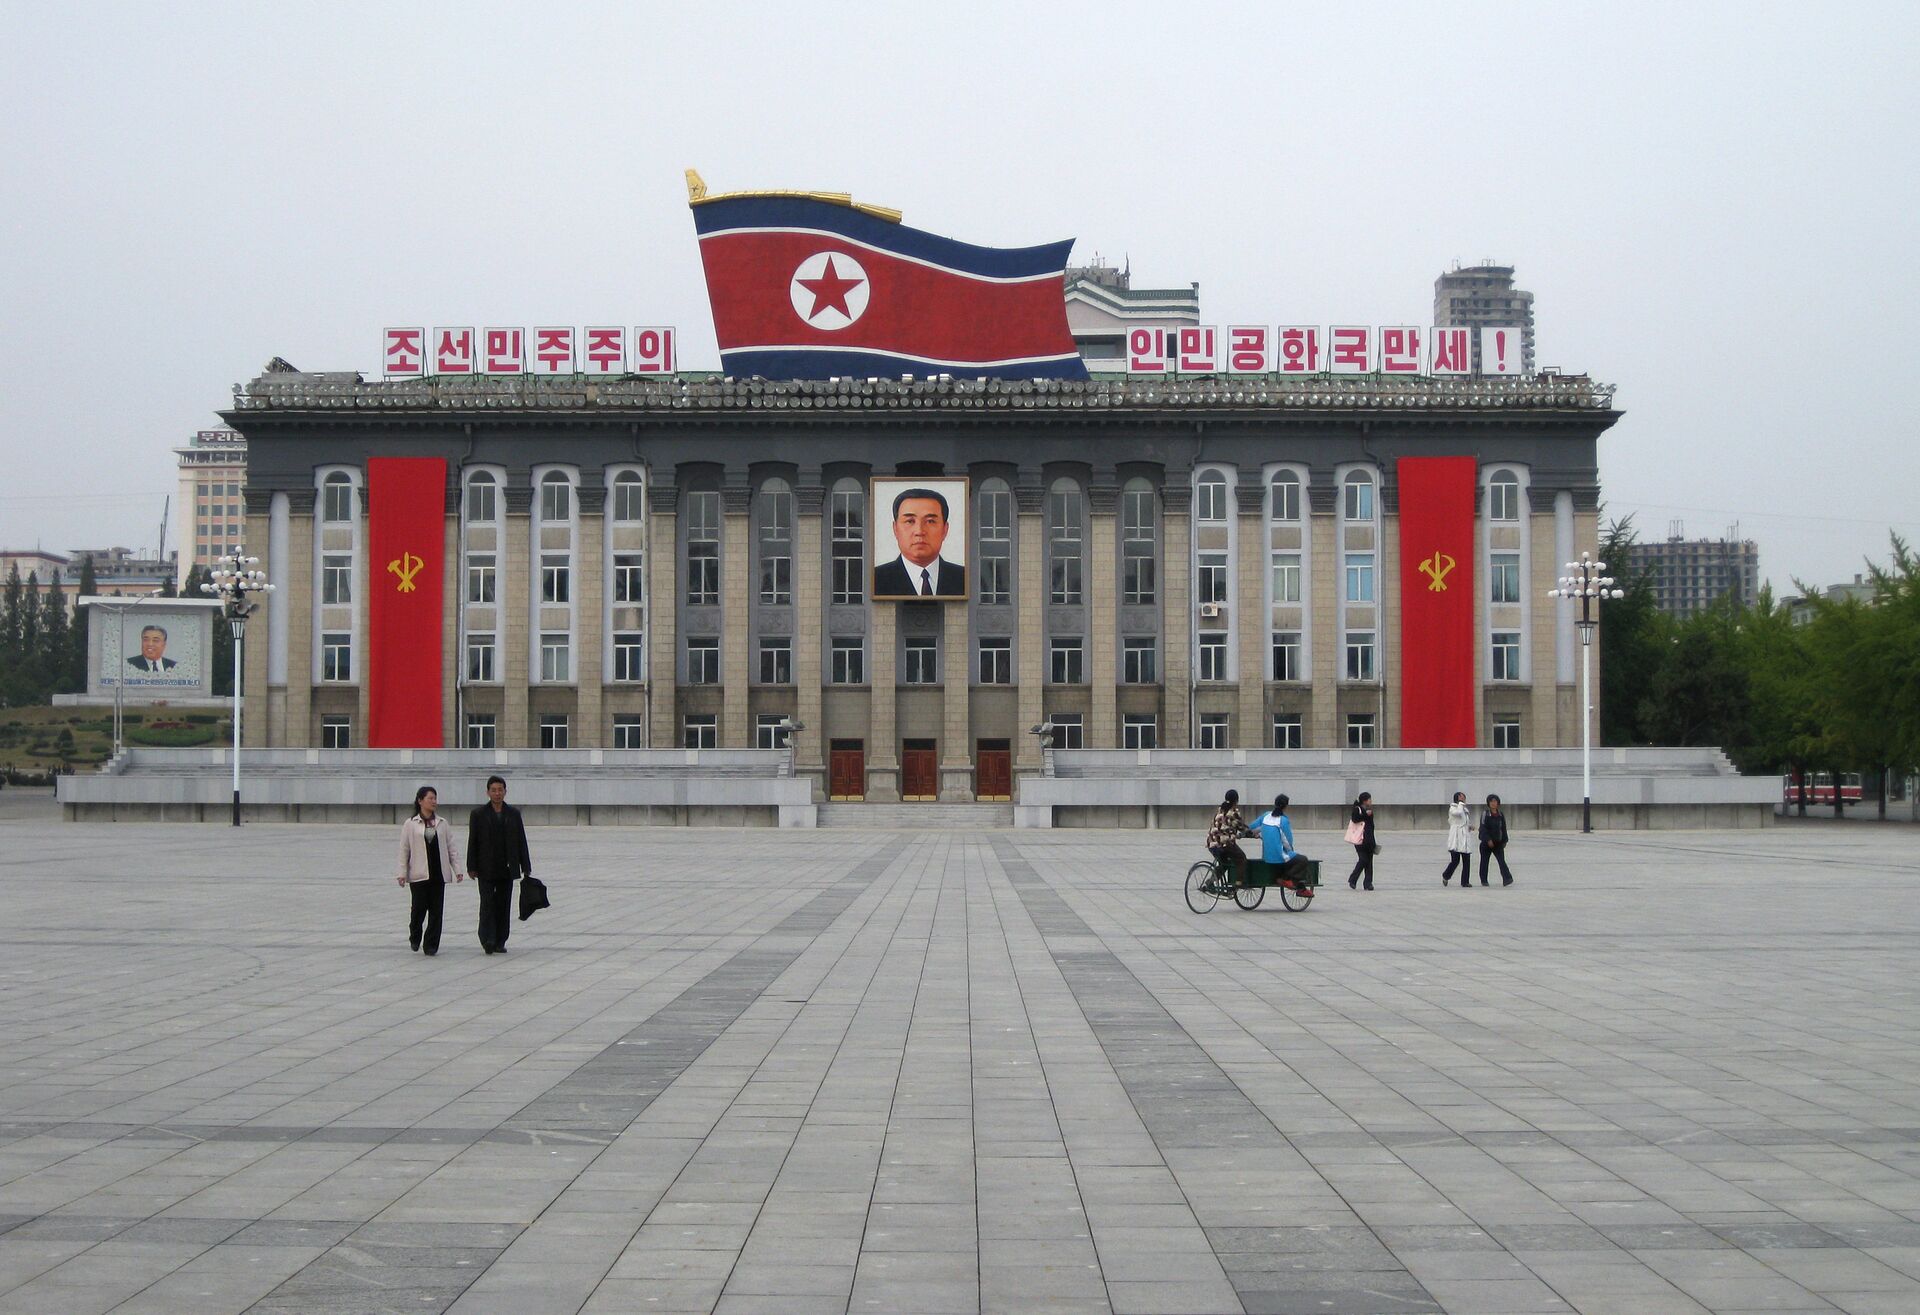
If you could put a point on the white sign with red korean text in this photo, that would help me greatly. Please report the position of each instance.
(414, 352)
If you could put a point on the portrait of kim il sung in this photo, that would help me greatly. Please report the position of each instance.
(919, 537)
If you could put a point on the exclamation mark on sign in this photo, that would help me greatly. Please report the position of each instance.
(1500, 348)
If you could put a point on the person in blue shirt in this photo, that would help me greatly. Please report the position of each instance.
(1276, 839)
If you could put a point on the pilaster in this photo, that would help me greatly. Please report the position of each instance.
(883, 750)
(810, 637)
(1252, 614)
(663, 594)
(300, 637)
(1103, 618)
(514, 572)
(1323, 529)
(254, 698)
(956, 732)
(1030, 639)
(736, 631)
(590, 727)
(1176, 628)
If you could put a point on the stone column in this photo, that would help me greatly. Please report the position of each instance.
(736, 628)
(883, 753)
(1176, 592)
(663, 596)
(1539, 570)
(591, 729)
(956, 730)
(1323, 531)
(1103, 616)
(1252, 613)
(1030, 640)
(254, 697)
(277, 561)
(1566, 638)
(809, 631)
(513, 580)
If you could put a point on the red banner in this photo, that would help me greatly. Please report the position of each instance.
(406, 527)
(1437, 643)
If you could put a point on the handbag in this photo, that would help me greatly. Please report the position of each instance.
(1356, 833)
(533, 895)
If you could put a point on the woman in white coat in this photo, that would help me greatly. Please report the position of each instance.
(427, 855)
(1459, 839)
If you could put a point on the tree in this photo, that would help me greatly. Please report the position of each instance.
(77, 641)
(1868, 655)
(56, 641)
(1701, 692)
(1784, 725)
(1633, 640)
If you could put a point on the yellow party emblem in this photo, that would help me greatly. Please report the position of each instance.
(1436, 569)
(406, 566)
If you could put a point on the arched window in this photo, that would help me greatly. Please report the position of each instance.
(483, 498)
(995, 516)
(1284, 505)
(848, 516)
(1359, 496)
(1065, 539)
(1210, 498)
(629, 498)
(336, 502)
(556, 497)
(1503, 497)
(1139, 576)
(775, 517)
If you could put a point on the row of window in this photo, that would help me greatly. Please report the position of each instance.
(1066, 659)
(702, 731)
(1211, 505)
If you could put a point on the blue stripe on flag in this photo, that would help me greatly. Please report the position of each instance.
(799, 212)
(774, 363)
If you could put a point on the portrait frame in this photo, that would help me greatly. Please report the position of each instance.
(887, 562)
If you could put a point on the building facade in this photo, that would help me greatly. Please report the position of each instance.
(1483, 296)
(1691, 575)
(1102, 304)
(213, 477)
(684, 562)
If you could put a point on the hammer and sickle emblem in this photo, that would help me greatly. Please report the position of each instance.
(406, 566)
(1436, 568)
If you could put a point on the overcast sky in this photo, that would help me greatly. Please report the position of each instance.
(1713, 205)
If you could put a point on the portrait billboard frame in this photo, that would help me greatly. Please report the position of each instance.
(885, 551)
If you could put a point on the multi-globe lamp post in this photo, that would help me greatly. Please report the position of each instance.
(236, 580)
(1585, 580)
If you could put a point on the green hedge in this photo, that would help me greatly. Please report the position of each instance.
(171, 737)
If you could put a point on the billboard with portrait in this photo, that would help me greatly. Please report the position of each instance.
(920, 527)
(155, 651)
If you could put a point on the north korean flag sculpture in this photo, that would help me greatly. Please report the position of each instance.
(810, 285)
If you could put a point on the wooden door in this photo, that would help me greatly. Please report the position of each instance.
(993, 770)
(919, 770)
(847, 770)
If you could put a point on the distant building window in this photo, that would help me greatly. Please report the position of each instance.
(1360, 655)
(700, 730)
(1286, 656)
(1138, 567)
(336, 733)
(554, 733)
(923, 666)
(771, 730)
(703, 660)
(1068, 731)
(1213, 655)
(336, 657)
(629, 730)
(556, 498)
(1066, 660)
(996, 660)
(849, 544)
(556, 578)
(1359, 496)
(629, 579)
(849, 665)
(556, 656)
(1359, 577)
(629, 498)
(480, 651)
(1286, 577)
(1286, 731)
(629, 655)
(1211, 580)
(1213, 730)
(1506, 655)
(336, 499)
(996, 543)
(703, 548)
(1139, 661)
(480, 730)
(776, 660)
(1503, 497)
(483, 499)
(1139, 731)
(1503, 578)
(336, 579)
(480, 577)
(1210, 498)
(1506, 733)
(1360, 730)
(1064, 542)
(1285, 505)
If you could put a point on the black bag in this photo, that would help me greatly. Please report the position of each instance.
(533, 895)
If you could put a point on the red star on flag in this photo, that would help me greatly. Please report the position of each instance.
(830, 291)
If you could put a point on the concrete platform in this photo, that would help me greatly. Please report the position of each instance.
(1007, 1071)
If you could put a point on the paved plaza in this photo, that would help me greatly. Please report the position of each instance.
(856, 1071)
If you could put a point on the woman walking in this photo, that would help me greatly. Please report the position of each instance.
(1493, 842)
(1360, 836)
(1459, 839)
(427, 854)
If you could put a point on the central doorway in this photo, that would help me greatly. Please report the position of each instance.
(919, 770)
(993, 770)
(847, 770)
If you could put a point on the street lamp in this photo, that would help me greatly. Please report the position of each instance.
(788, 729)
(235, 580)
(1584, 580)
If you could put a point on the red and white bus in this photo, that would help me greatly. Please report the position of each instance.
(1820, 788)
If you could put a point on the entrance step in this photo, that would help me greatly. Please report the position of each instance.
(916, 817)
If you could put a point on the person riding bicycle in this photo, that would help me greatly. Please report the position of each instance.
(1223, 836)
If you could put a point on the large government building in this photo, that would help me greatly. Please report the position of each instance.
(634, 562)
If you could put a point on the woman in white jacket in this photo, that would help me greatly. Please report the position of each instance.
(1459, 839)
(427, 854)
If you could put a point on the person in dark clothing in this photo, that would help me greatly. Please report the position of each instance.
(496, 854)
(1365, 846)
(1223, 837)
(1493, 842)
(427, 854)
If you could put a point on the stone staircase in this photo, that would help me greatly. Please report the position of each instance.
(916, 817)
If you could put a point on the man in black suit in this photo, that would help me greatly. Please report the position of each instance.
(496, 854)
(152, 657)
(920, 527)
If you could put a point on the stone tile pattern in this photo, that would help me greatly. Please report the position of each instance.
(1671, 1072)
